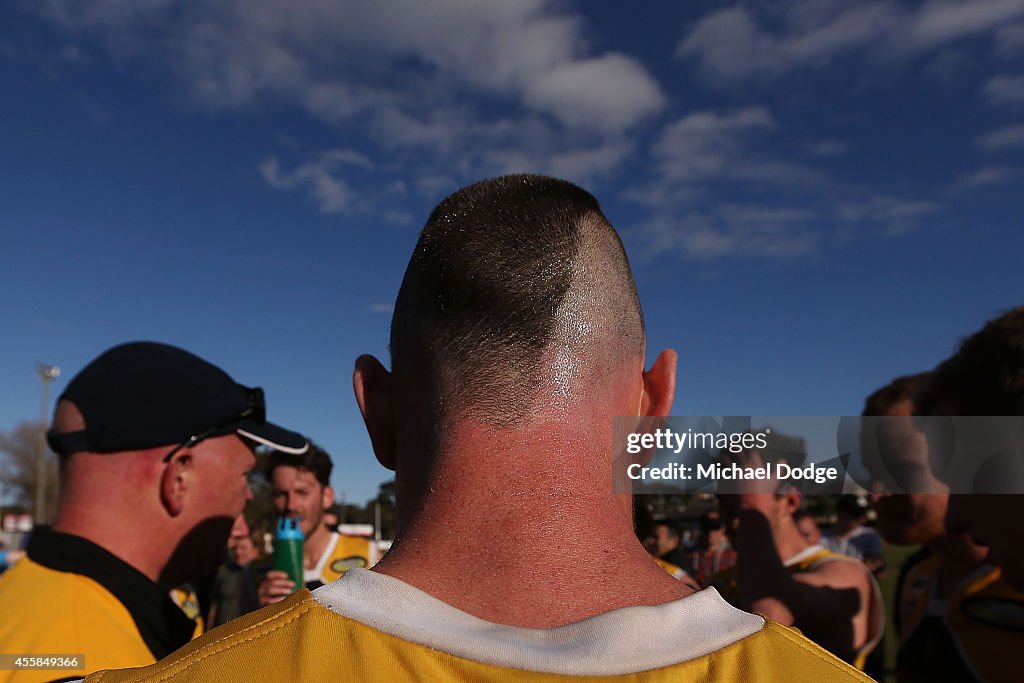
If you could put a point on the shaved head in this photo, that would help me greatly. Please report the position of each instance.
(517, 297)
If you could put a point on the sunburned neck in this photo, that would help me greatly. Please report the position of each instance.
(514, 561)
(133, 549)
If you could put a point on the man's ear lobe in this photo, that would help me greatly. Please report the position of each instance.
(175, 481)
(373, 388)
(660, 385)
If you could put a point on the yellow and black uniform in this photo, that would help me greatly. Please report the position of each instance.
(674, 570)
(342, 553)
(70, 596)
(976, 634)
(187, 600)
(807, 560)
(371, 627)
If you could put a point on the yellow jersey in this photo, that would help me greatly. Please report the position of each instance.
(69, 596)
(977, 634)
(342, 553)
(675, 571)
(371, 627)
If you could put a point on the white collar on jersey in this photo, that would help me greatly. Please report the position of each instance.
(317, 572)
(804, 554)
(619, 642)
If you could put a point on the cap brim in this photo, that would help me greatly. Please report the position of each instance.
(278, 438)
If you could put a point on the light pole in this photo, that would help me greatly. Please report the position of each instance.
(47, 373)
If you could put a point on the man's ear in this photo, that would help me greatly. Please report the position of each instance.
(373, 386)
(660, 386)
(175, 482)
(792, 500)
(327, 497)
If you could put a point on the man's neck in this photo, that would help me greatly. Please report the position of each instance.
(132, 549)
(534, 564)
(521, 526)
(959, 557)
(789, 542)
(314, 546)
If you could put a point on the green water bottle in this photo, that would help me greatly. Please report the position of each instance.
(288, 549)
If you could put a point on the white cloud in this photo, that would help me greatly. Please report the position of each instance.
(775, 232)
(1010, 137)
(607, 93)
(321, 178)
(420, 80)
(584, 164)
(1010, 40)
(704, 145)
(742, 42)
(708, 155)
(983, 177)
(710, 146)
(328, 55)
(733, 231)
(896, 216)
(438, 129)
(1004, 90)
(942, 21)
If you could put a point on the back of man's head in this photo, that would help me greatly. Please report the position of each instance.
(889, 398)
(984, 377)
(518, 295)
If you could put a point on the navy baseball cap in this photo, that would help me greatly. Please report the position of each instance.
(144, 395)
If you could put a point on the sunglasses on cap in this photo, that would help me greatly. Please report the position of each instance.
(256, 411)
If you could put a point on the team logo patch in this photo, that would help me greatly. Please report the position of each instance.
(1008, 614)
(344, 564)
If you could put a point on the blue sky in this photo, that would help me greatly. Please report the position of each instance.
(816, 196)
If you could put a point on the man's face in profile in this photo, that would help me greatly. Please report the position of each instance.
(222, 466)
(985, 453)
(916, 513)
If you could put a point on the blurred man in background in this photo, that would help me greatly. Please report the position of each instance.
(833, 599)
(154, 446)
(985, 377)
(301, 489)
(851, 537)
(234, 588)
(807, 526)
(940, 637)
(714, 553)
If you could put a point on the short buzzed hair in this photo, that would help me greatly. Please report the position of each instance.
(986, 374)
(506, 272)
